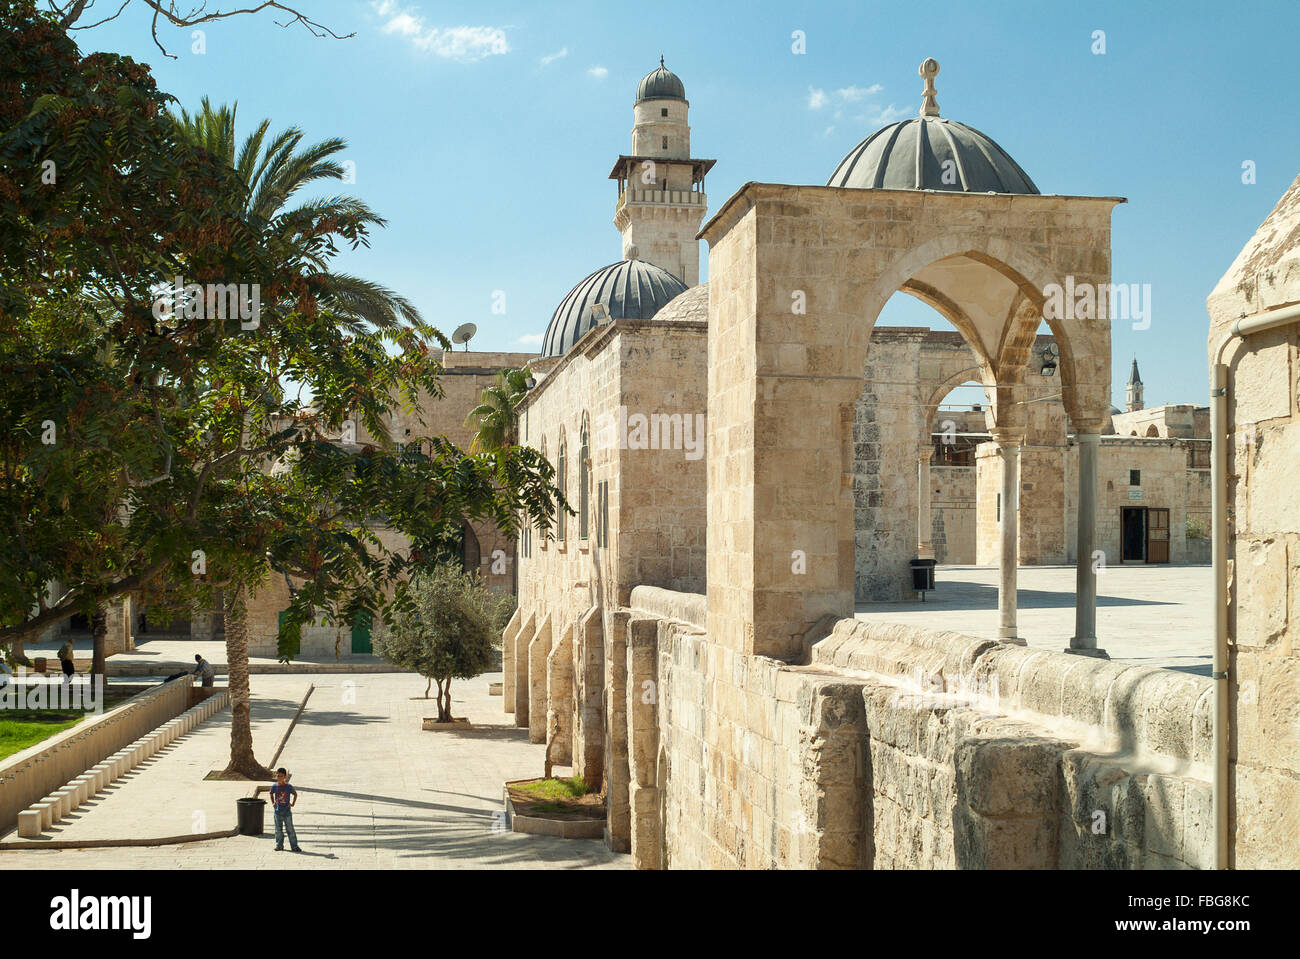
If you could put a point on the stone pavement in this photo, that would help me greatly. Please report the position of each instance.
(1146, 615)
(375, 791)
(164, 654)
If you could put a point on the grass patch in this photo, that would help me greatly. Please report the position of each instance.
(553, 789)
(23, 728)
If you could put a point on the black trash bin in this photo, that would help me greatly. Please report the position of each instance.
(923, 575)
(252, 816)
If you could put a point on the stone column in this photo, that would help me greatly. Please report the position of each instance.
(1009, 450)
(1084, 640)
(924, 532)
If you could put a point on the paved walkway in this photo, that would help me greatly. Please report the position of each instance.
(376, 791)
(162, 655)
(1147, 615)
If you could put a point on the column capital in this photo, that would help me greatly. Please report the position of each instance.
(1004, 436)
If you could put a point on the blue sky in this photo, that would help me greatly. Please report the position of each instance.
(485, 132)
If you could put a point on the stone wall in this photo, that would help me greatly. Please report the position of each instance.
(895, 747)
(952, 521)
(1262, 434)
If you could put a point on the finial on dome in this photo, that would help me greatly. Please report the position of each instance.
(661, 60)
(928, 70)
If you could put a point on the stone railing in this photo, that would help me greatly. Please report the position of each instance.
(689, 608)
(38, 771)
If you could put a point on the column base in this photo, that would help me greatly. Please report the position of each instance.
(1093, 651)
(1012, 639)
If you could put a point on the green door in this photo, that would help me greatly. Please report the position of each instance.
(361, 633)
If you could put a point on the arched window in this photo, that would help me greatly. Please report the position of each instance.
(561, 475)
(584, 482)
(1152, 430)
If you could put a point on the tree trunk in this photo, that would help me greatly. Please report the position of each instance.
(98, 635)
(444, 701)
(428, 681)
(242, 760)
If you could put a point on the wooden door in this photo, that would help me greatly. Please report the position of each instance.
(1157, 535)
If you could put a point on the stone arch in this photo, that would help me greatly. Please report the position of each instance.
(471, 551)
(1030, 275)
(1153, 430)
(940, 393)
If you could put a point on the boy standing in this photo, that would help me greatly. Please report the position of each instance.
(283, 798)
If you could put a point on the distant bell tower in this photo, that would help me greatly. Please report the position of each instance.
(1133, 392)
(661, 200)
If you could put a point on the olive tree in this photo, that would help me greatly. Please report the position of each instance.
(443, 632)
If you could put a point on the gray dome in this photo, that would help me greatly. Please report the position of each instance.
(910, 155)
(630, 290)
(660, 84)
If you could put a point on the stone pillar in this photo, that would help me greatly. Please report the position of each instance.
(924, 532)
(559, 700)
(618, 823)
(508, 638)
(643, 742)
(1084, 640)
(538, 650)
(1009, 450)
(522, 641)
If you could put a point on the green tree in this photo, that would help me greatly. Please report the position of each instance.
(443, 634)
(146, 448)
(272, 171)
(496, 418)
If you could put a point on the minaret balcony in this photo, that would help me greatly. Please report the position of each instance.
(661, 198)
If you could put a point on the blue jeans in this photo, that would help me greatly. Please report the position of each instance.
(283, 823)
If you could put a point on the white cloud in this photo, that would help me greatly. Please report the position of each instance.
(829, 130)
(530, 339)
(552, 57)
(888, 115)
(600, 73)
(853, 94)
(816, 98)
(466, 44)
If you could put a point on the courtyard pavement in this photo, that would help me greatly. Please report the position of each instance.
(1146, 615)
(161, 654)
(375, 790)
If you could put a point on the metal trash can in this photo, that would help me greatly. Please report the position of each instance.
(252, 816)
(923, 575)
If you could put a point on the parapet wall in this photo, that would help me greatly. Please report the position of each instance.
(901, 748)
(33, 773)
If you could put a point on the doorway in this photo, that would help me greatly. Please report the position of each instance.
(1133, 534)
(1144, 534)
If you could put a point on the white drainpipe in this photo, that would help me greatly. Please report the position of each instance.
(1219, 521)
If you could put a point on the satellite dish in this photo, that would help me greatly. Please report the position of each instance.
(464, 333)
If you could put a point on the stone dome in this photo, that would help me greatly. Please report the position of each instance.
(689, 307)
(660, 84)
(911, 155)
(629, 289)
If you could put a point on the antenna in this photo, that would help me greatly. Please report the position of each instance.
(464, 333)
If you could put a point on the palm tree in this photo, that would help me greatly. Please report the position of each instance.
(273, 170)
(496, 418)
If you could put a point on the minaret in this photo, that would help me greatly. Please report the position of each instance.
(1133, 392)
(661, 200)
